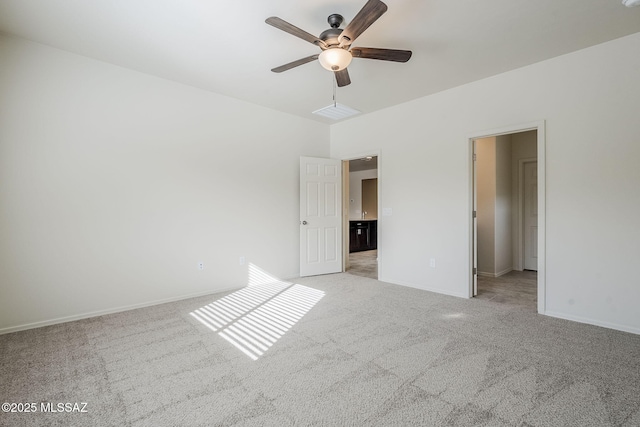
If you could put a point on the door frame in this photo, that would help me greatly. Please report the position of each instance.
(540, 127)
(345, 205)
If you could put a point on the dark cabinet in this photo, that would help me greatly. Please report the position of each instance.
(363, 235)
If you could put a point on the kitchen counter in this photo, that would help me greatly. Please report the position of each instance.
(363, 235)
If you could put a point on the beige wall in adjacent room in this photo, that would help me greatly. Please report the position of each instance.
(355, 191)
(524, 145)
(486, 204)
(493, 180)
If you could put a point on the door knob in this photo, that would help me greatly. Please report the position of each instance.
(304, 222)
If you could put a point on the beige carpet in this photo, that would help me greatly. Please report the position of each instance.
(336, 350)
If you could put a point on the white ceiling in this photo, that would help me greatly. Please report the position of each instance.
(227, 48)
(363, 164)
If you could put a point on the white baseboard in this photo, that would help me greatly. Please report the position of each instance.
(588, 321)
(428, 289)
(73, 318)
(501, 273)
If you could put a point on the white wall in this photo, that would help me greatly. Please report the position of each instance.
(589, 100)
(115, 184)
(355, 191)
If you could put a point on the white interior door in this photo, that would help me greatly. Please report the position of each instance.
(531, 216)
(320, 216)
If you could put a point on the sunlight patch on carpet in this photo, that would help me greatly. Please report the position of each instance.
(254, 318)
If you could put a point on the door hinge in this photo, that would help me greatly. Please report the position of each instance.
(475, 271)
(475, 213)
(474, 157)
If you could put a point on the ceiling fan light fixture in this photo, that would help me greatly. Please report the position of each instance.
(631, 3)
(335, 59)
(335, 43)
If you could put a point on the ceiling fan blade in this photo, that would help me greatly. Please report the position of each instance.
(293, 64)
(383, 54)
(283, 25)
(367, 16)
(342, 77)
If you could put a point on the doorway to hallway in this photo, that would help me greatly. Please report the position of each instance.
(505, 218)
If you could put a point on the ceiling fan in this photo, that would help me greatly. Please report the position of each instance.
(335, 43)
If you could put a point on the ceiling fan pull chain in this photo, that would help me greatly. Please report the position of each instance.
(335, 104)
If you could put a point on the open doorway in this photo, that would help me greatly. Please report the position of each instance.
(361, 215)
(505, 183)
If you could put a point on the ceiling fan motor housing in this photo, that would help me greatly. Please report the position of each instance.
(330, 36)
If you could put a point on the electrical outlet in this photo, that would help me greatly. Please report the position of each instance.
(241, 261)
(432, 263)
(201, 265)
